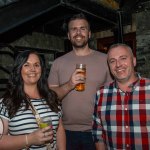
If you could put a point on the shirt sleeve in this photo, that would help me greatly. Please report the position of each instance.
(97, 127)
(53, 78)
(3, 110)
(109, 77)
(60, 113)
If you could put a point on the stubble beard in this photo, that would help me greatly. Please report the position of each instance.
(79, 44)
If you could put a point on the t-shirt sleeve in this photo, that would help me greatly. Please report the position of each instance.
(97, 127)
(60, 113)
(109, 76)
(3, 110)
(53, 78)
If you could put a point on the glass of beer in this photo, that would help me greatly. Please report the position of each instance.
(45, 122)
(81, 86)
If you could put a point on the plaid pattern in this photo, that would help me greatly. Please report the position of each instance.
(122, 119)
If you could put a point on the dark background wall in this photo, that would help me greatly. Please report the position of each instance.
(143, 42)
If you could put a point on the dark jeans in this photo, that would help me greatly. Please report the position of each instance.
(77, 140)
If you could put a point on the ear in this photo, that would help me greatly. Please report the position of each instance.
(68, 36)
(134, 61)
(89, 34)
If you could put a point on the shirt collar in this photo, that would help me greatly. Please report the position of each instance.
(132, 85)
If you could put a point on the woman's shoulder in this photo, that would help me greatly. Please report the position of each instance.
(3, 110)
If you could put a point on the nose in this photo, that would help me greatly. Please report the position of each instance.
(32, 68)
(78, 31)
(118, 63)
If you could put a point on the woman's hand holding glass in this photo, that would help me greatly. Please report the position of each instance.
(40, 136)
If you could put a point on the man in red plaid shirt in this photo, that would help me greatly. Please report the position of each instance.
(121, 119)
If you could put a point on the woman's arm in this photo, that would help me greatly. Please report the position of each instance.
(9, 142)
(63, 90)
(100, 146)
(61, 137)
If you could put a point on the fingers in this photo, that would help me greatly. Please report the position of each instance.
(79, 76)
(48, 128)
(41, 136)
(47, 136)
(80, 71)
(47, 133)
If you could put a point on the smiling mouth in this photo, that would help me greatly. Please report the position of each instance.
(32, 75)
(78, 38)
(120, 70)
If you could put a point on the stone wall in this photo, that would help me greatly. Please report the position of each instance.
(43, 41)
(143, 43)
(35, 40)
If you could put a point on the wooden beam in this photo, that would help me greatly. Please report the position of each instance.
(109, 3)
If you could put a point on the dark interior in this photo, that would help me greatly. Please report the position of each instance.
(19, 17)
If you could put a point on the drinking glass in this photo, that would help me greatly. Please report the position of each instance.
(81, 86)
(45, 122)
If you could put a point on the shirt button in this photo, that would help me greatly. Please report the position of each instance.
(127, 145)
(127, 127)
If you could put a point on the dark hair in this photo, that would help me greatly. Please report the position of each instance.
(15, 95)
(78, 16)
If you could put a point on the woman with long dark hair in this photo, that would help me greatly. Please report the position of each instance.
(26, 101)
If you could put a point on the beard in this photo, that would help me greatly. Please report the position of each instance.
(79, 44)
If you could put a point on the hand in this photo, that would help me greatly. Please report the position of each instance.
(77, 77)
(40, 136)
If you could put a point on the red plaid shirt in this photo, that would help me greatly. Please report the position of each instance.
(122, 119)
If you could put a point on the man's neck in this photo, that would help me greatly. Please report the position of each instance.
(82, 51)
(125, 86)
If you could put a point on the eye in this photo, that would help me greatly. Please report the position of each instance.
(73, 29)
(111, 61)
(26, 65)
(83, 28)
(123, 58)
(37, 65)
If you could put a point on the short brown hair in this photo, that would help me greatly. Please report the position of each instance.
(78, 16)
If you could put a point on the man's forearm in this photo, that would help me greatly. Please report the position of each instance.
(62, 90)
(100, 146)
